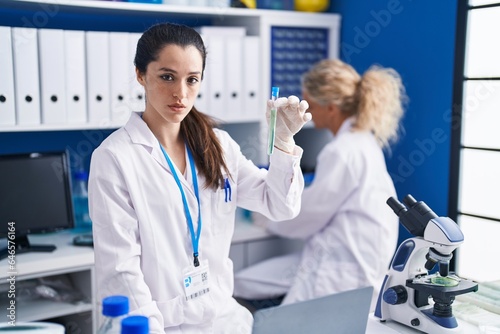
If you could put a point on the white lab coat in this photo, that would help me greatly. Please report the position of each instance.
(141, 239)
(350, 232)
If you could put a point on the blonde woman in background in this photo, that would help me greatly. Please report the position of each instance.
(350, 233)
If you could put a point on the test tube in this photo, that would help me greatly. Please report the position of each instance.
(272, 121)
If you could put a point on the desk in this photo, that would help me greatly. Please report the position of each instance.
(250, 244)
(77, 263)
(374, 326)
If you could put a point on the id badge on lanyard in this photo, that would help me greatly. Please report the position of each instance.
(196, 275)
(196, 280)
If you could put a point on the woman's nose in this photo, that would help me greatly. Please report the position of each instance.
(180, 91)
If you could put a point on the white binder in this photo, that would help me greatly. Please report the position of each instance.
(215, 76)
(253, 104)
(7, 97)
(137, 96)
(201, 102)
(234, 77)
(220, 63)
(97, 52)
(26, 75)
(52, 75)
(119, 77)
(76, 76)
(222, 31)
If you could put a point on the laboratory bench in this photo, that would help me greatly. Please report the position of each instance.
(374, 326)
(250, 244)
(75, 264)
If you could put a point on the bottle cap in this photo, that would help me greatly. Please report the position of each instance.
(136, 324)
(114, 306)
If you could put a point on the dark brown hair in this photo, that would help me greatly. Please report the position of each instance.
(196, 128)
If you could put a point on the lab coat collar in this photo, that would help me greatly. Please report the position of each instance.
(140, 134)
(139, 131)
(346, 126)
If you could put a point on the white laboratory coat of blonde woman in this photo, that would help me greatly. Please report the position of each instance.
(350, 233)
(142, 240)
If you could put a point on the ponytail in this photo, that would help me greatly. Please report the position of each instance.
(197, 129)
(380, 98)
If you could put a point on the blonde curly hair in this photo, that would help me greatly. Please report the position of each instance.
(375, 99)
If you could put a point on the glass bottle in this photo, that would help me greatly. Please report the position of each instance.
(114, 309)
(81, 202)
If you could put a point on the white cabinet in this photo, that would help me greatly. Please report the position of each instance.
(70, 265)
(252, 244)
(67, 266)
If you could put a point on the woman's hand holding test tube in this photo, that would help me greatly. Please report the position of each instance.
(290, 118)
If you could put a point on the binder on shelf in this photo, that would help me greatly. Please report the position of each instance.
(137, 97)
(76, 76)
(52, 76)
(222, 31)
(215, 76)
(26, 75)
(234, 77)
(253, 105)
(7, 96)
(98, 78)
(223, 96)
(119, 77)
(201, 102)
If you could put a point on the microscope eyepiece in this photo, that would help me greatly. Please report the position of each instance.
(414, 216)
(409, 200)
(396, 206)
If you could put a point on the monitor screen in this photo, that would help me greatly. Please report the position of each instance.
(35, 193)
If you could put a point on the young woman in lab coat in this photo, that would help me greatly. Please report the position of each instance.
(350, 233)
(164, 188)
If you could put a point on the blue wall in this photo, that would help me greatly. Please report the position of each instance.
(417, 39)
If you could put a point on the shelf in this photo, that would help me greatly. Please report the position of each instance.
(198, 11)
(66, 258)
(110, 126)
(245, 231)
(58, 127)
(40, 309)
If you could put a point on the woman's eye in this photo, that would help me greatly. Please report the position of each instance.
(193, 80)
(166, 77)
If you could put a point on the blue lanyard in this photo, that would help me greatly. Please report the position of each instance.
(195, 238)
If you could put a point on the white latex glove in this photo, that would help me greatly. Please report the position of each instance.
(291, 117)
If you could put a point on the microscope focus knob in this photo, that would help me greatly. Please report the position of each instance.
(395, 295)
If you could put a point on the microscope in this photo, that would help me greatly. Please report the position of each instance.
(409, 286)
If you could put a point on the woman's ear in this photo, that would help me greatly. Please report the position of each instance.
(140, 77)
(333, 108)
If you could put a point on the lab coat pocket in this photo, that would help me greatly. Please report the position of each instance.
(226, 196)
(224, 203)
(223, 208)
(172, 311)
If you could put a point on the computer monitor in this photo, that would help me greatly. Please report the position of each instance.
(35, 197)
